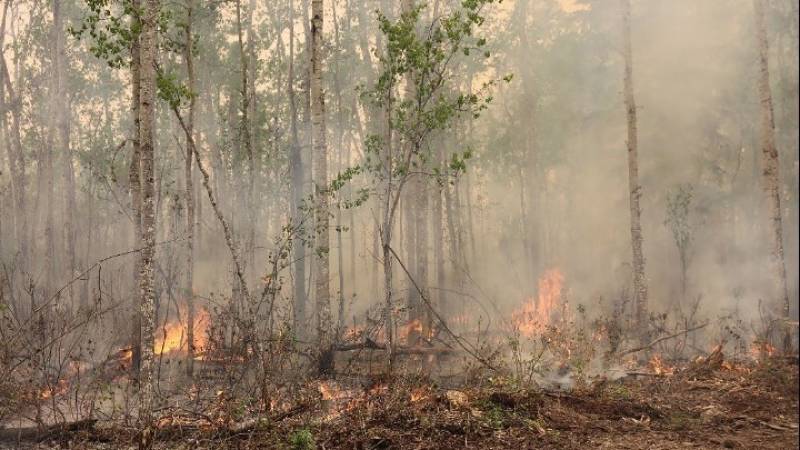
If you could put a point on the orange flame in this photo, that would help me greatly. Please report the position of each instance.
(330, 391)
(659, 367)
(353, 333)
(172, 338)
(415, 326)
(419, 394)
(760, 350)
(460, 320)
(59, 388)
(534, 316)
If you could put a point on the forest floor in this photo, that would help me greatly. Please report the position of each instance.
(725, 405)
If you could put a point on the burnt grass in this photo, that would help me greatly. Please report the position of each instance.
(732, 406)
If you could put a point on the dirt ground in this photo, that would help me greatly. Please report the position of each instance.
(751, 406)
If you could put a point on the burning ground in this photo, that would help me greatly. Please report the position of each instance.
(541, 377)
(709, 403)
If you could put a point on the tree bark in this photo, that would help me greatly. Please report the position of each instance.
(321, 265)
(770, 165)
(189, 191)
(438, 234)
(16, 155)
(135, 187)
(296, 170)
(635, 190)
(63, 143)
(147, 97)
(340, 150)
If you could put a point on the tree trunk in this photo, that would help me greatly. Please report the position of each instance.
(245, 136)
(322, 237)
(135, 187)
(421, 232)
(340, 167)
(16, 155)
(408, 241)
(147, 97)
(770, 164)
(63, 143)
(437, 210)
(297, 172)
(189, 192)
(635, 190)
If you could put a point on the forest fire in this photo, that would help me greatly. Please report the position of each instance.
(330, 391)
(412, 328)
(535, 315)
(419, 394)
(659, 367)
(399, 224)
(353, 333)
(172, 338)
(761, 350)
(59, 388)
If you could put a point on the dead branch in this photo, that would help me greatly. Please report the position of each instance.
(438, 317)
(217, 211)
(39, 434)
(662, 339)
(369, 344)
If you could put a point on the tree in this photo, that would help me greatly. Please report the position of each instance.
(15, 150)
(189, 188)
(296, 197)
(63, 139)
(634, 188)
(134, 179)
(321, 263)
(426, 63)
(147, 98)
(677, 220)
(770, 165)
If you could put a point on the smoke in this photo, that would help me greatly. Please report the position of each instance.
(547, 187)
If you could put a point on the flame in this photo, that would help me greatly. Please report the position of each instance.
(419, 394)
(659, 367)
(378, 389)
(172, 338)
(415, 326)
(353, 333)
(534, 316)
(460, 320)
(760, 350)
(60, 387)
(326, 391)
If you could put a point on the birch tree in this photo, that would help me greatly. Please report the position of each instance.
(321, 263)
(634, 188)
(189, 188)
(770, 175)
(427, 63)
(147, 98)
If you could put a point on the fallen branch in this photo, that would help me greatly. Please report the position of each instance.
(38, 434)
(662, 339)
(369, 344)
(438, 317)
